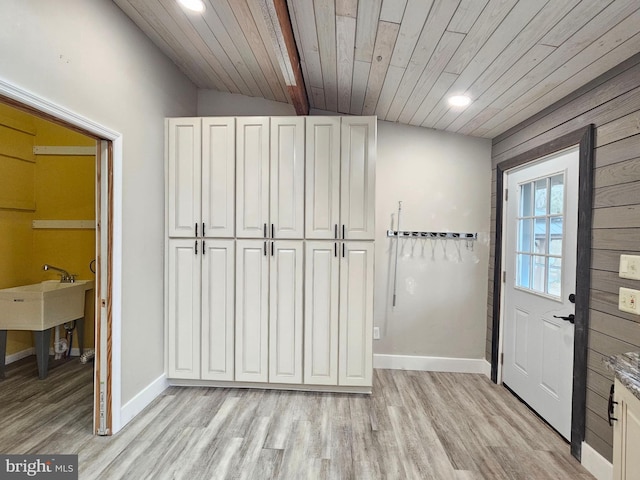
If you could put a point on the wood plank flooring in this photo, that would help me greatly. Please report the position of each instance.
(416, 425)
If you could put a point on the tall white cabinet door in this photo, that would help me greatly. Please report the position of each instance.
(218, 176)
(218, 309)
(184, 308)
(285, 312)
(357, 202)
(184, 169)
(252, 176)
(356, 315)
(322, 206)
(252, 311)
(321, 313)
(287, 177)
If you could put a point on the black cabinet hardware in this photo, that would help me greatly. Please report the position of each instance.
(610, 407)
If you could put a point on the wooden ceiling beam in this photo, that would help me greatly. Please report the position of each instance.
(276, 15)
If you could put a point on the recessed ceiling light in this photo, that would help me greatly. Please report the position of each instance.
(459, 101)
(193, 5)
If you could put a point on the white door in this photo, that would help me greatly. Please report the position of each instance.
(322, 193)
(357, 202)
(218, 309)
(322, 277)
(355, 365)
(184, 308)
(285, 312)
(252, 177)
(184, 164)
(540, 259)
(218, 177)
(287, 177)
(252, 311)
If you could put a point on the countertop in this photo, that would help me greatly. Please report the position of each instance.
(626, 367)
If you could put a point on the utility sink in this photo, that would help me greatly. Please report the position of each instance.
(42, 305)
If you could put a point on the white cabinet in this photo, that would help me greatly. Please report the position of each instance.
(252, 311)
(184, 175)
(201, 177)
(270, 177)
(218, 177)
(285, 311)
(322, 190)
(201, 309)
(339, 313)
(218, 309)
(252, 181)
(626, 434)
(321, 283)
(269, 311)
(184, 308)
(355, 366)
(340, 178)
(357, 177)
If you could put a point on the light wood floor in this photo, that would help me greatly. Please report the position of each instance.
(416, 425)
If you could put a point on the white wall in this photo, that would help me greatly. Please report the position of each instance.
(444, 183)
(88, 57)
(214, 103)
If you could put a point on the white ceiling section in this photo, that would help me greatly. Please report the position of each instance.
(401, 59)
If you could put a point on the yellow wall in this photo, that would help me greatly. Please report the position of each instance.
(47, 188)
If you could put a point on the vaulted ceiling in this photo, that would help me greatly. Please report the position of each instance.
(402, 59)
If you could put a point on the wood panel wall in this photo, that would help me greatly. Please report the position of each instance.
(612, 104)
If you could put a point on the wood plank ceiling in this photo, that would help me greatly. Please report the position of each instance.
(401, 59)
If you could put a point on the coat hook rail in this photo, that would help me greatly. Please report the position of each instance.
(446, 235)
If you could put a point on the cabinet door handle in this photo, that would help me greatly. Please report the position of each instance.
(343, 237)
(272, 248)
(203, 250)
(196, 247)
(272, 235)
(265, 248)
(335, 231)
(196, 229)
(203, 229)
(343, 250)
(610, 407)
(335, 249)
(264, 230)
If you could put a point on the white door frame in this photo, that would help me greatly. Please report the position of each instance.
(111, 397)
(585, 138)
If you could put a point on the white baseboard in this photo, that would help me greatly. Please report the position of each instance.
(138, 403)
(432, 364)
(14, 357)
(596, 464)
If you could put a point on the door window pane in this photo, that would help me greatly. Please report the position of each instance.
(541, 197)
(524, 235)
(540, 237)
(554, 283)
(539, 273)
(525, 200)
(524, 268)
(557, 195)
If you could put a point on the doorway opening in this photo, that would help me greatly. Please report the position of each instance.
(62, 181)
(584, 138)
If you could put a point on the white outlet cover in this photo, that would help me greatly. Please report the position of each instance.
(628, 300)
(629, 267)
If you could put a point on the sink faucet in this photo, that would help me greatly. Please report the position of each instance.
(65, 277)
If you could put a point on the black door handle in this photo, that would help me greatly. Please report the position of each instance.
(610, 407)
(571, 318)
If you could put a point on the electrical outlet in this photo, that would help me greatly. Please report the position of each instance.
(630, 267)
(628, 300)
(376, 333)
